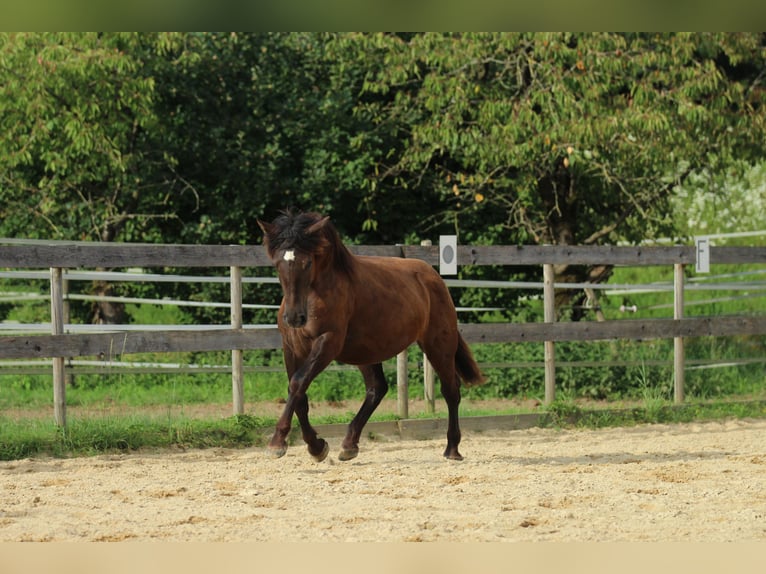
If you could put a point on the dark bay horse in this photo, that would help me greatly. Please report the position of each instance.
(361, 311)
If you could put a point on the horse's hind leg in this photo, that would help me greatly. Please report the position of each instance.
(450, 388)
(377, 386)
(444, 365)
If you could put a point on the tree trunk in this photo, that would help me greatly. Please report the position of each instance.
(559, 196)
(106, 312)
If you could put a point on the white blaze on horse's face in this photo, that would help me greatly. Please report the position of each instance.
(295, 277)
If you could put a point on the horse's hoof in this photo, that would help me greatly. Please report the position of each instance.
(452, 455)
(348, 453)
(277, 451)
(322, 455)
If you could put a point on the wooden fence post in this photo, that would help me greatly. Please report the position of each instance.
(549, 316)
(428, 370)
(237, 370)
(67, 319)
(679, 358)
(57, 328)
(402, 386)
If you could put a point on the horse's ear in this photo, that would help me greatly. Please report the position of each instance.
(314, 227)
(265, 227)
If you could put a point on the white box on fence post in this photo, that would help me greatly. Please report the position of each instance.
(448, 254)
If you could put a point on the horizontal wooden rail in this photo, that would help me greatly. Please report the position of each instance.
(109, 345)
(131, 255)
(603, 330)
(118, 255)
(601, 254)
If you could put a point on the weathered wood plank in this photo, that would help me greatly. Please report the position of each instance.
(376, 250)
(57, 324)
(419, 429)
(622, 329)
(338, 430)
(117, 255)
(737, 255)
(573, 255)
(237, 364)
(108, 345)
(428, 253)
(679, 353)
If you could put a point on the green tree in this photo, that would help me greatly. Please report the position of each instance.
(75, 114)
(558, 138)
(75, 110)
(260, 122)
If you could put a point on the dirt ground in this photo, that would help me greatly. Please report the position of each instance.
(685, 482)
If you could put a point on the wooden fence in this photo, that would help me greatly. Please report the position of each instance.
(106, 345)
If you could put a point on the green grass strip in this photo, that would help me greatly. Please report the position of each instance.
(85, 437)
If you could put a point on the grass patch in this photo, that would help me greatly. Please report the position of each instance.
(570, 415)
(84, 437)
(122, 434)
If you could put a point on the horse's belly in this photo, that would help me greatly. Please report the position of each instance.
(363, 355)
(370, 346)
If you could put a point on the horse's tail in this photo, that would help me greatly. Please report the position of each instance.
(466, 365)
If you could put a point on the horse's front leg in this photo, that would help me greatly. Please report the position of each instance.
(377, 386)
(323, 351)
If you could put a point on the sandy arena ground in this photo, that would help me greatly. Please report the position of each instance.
(689, 482)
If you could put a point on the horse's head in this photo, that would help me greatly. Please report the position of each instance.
(294, 244)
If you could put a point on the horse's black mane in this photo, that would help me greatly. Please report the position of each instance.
(288, 231)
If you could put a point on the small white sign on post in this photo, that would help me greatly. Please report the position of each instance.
(448, 254)
(703, 254)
